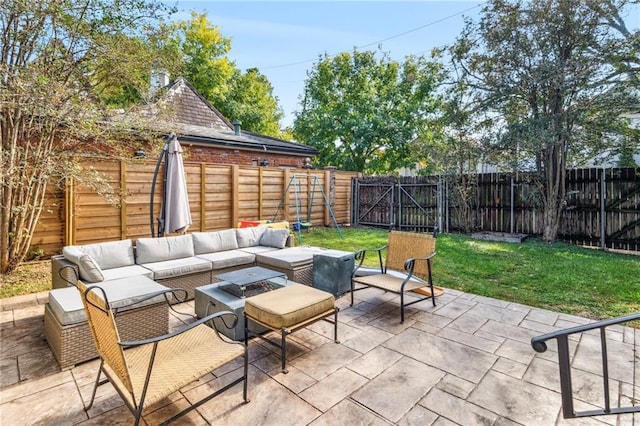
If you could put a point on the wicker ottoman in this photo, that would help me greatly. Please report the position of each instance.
(65, 323)
(288, 309)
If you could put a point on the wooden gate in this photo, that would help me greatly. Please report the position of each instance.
(408, 203)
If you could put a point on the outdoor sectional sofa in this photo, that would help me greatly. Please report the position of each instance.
(129, 273)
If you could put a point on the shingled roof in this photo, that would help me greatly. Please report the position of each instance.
(197, 121)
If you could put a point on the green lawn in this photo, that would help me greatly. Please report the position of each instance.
(560, 277)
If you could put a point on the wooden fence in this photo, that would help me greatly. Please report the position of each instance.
(219, 195)
(603, 205)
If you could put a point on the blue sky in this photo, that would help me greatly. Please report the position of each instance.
(283, 39)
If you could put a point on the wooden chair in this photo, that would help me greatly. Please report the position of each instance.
(407, 267)
(145, 371)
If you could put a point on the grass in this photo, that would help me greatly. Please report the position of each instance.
(560, 277)
(29, 277)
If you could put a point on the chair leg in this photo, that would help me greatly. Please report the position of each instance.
(284, 350)
(95, 388)
(401, 307)
(335, 326)
(433, 296)
(246, 331)
(246, 366)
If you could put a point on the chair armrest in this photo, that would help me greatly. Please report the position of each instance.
(410, 263)
(409, 266)
(186, 328)
(63, 272)
(361, 254)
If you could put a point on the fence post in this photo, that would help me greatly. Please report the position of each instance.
(603, 209)
(235, 199)
(397, 220)
(203, 197)
(511, 224)
(123, 200)
(286, 196)
(69, 212)
(260, 193)
(355, 200)
(329, 193)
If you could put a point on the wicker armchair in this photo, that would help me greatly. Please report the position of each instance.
(145, 371)
(407, 267)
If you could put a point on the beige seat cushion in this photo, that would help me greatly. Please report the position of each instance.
(288, 306)
(290, 258)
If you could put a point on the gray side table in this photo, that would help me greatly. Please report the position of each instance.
(332, 271)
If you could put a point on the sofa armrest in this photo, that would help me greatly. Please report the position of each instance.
(60, 272)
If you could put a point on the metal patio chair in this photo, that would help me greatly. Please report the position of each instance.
(145, 371)
(407, 267)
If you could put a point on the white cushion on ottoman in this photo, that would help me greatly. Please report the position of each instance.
(289, 258)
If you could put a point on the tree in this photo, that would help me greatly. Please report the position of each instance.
(251, 101)
(538, 70)
(362, 113)
(57, 60)
(202, 59)
(202, 53)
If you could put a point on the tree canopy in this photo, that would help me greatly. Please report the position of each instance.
(251, 101)
(361, 113)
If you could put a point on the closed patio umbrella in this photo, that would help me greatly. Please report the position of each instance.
(175, 215)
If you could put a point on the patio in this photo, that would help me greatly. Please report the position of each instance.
(467, 361)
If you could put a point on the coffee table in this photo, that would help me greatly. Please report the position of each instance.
(249, 281)
(230, 296)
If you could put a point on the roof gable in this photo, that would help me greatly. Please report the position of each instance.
(191, 108)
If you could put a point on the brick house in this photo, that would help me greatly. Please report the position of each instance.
(209, 137)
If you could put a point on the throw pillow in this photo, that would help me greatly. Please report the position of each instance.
(89, 270)
(274, 238)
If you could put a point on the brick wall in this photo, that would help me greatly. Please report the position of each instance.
(202, 154)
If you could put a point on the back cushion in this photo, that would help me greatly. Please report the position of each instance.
(149, 250)
(112, 254)
(211, 242)
(249, 237)
(275, 238)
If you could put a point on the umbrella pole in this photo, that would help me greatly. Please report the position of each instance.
(162, 156)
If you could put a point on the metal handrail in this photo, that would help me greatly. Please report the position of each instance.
(562, 338)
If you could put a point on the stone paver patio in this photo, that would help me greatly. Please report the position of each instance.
(467, 361)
